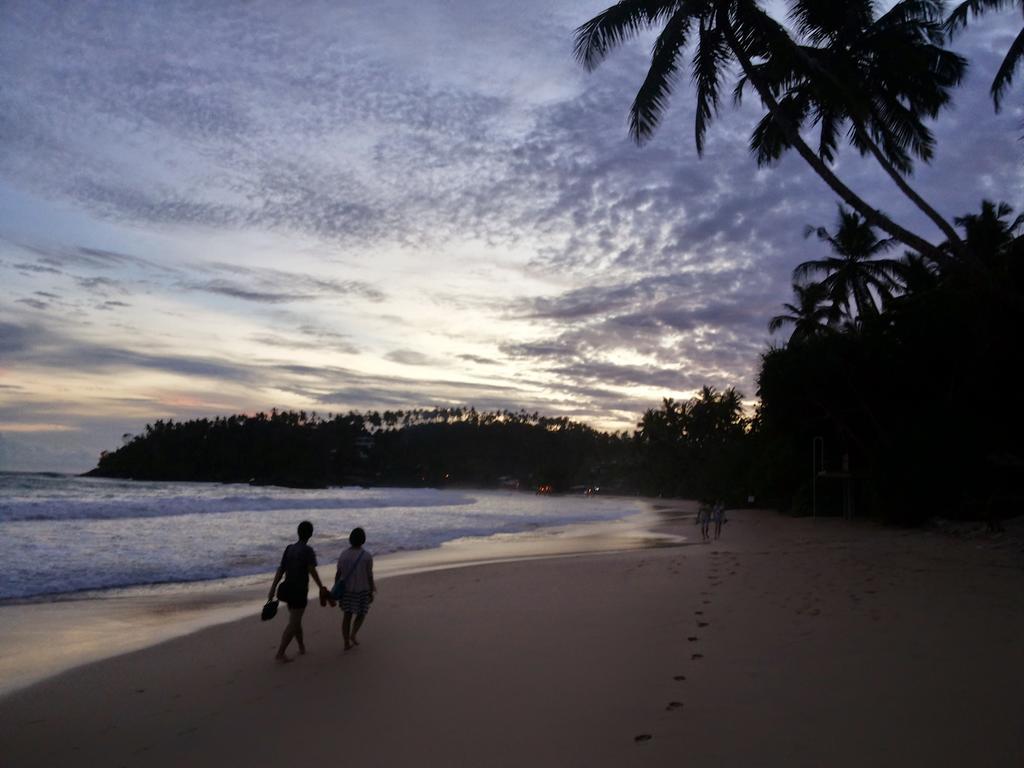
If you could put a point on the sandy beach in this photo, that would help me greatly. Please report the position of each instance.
(790, 642)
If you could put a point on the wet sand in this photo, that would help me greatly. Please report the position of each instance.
(788, 642)
(42, 638)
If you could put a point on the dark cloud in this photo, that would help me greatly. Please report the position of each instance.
(274, 286)
(16, 339)
(34, 303)
(477, 359)
(38, 268)
(236, 291)
(51, 256)
(100, 284)
(409, 357)
(332, 342)
(53, 349)
(414, 127)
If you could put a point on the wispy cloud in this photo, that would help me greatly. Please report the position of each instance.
(435, 185)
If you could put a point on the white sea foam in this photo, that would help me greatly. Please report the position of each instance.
(68, 534)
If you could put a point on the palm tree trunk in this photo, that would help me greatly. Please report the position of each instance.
(911, 193)
(847, 195)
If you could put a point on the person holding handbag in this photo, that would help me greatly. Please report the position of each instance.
(298, 563)
(353, 586)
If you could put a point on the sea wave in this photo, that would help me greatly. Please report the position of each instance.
(114, 509)
(65, 535)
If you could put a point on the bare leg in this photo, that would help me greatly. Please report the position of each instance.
(355, 627)
(346, 630)
(294, 629)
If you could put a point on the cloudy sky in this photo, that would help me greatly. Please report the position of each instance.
(209, 208)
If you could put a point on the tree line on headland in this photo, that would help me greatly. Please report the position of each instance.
(674, 451)
(893, 395)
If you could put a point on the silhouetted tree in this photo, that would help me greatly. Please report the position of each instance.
(810, 316)
(854, 275)
(724, 32)
(1004, 75)
(876, 78)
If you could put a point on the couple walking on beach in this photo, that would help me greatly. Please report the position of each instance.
(353, 586)
(708, 512)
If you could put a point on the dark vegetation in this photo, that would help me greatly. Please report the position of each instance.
(440, 446)
(682, 449)
(892, 390)
(892, 396)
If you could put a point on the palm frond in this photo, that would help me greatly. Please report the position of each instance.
(808, 270)
(614, 25)
(652, 98)
(830, 121)
(768, 140)
(709, 59)
(1004, 76)
(958, 18)
(759, 34)
(780, 320)
(822, 21)
(901, 133)
(920, 13)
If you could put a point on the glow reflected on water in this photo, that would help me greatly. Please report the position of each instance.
(38, 640)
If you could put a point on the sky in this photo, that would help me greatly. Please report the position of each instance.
(214, 208)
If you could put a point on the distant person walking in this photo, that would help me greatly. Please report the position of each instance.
(718, 513)
(298, 563)
(355, 572)
(704, 519)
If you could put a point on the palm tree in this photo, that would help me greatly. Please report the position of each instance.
(918, 274)
(1004, 75)
(880, 76)
(991, 233)
(853, 275)
(811, 315)
(725, 32)
(995, 253)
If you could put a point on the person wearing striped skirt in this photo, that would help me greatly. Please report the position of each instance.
(355, 568)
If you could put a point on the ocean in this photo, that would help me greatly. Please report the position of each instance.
(64, 535)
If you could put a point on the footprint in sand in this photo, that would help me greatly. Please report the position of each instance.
(673, 705)
(643, 737)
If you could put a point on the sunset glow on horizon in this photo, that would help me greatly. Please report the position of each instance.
(225, 208)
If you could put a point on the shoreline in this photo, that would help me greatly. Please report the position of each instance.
(789, 642)
(46, 637)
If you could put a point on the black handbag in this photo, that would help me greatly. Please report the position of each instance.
(284, 589)
(269, 610)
